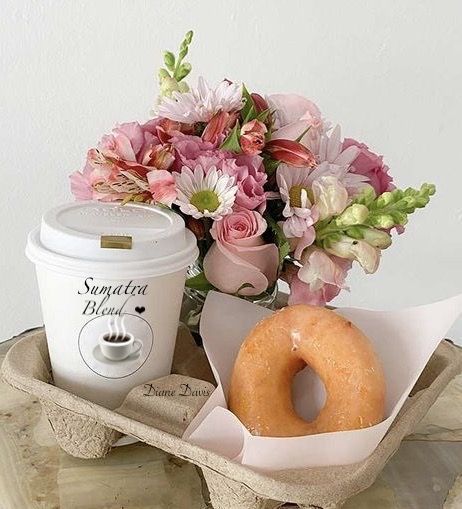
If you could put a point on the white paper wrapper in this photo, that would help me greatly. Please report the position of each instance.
(404, 340)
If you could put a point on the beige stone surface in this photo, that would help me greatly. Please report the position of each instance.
(36, 473)
(454, 499)
(444, 419)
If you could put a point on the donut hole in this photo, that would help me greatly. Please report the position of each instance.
(308, 394)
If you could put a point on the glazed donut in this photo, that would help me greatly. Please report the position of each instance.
(281, 345)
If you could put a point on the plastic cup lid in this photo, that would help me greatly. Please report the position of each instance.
(131, 240)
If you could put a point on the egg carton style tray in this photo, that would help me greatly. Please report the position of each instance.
(87, 430)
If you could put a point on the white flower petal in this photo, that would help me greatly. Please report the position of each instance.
(200, 104)
(189, 182)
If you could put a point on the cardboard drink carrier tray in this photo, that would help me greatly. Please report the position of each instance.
(87, 430)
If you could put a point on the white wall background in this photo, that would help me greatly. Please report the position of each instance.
(389, 72)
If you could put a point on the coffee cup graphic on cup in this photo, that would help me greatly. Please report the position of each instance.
(116, 344)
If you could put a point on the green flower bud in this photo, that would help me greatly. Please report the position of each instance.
(354, 214)
(366, 196)
(399, 217)
(163, 73)
(188, 37)
(384, 199)
(183, 87)
(169, 60)
(168, 85)
(183, 71)
(377, 238)
(384, 221)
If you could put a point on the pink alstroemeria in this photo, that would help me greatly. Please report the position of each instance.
(162, 187)
(217, 125)
(166, 128)
(252, 138)
(291, 152)
(161, 157)
(117, 169)
(81, 185)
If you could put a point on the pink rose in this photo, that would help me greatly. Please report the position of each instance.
(371, 166)
(252, 138)
(239, 255)
(250, 176)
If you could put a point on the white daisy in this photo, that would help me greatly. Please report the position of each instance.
(294, 185)
(204, 194)
(333, 161)
(331, 151)
(201, 104)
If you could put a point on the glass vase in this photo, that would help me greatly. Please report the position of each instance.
(193, 301)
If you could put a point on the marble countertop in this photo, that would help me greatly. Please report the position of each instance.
(426, 472)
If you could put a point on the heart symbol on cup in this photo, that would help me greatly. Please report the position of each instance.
(140, 309)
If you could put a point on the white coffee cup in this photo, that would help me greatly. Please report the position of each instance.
(99, 261)
(119, 350)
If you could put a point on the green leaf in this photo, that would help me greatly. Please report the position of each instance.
(330, 239)
(199, 282)
(263, 115)
(299, 139)
(245, 285)
(231, 142)
(281, 240)
(250, 115)
(248, 109)
(169, 60)
(271, 165)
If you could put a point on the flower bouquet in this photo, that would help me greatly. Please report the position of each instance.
(267, 185)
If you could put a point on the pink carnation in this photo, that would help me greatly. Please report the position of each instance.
(247, 170)
(189, 148)
(250, 176)
(371, 166)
